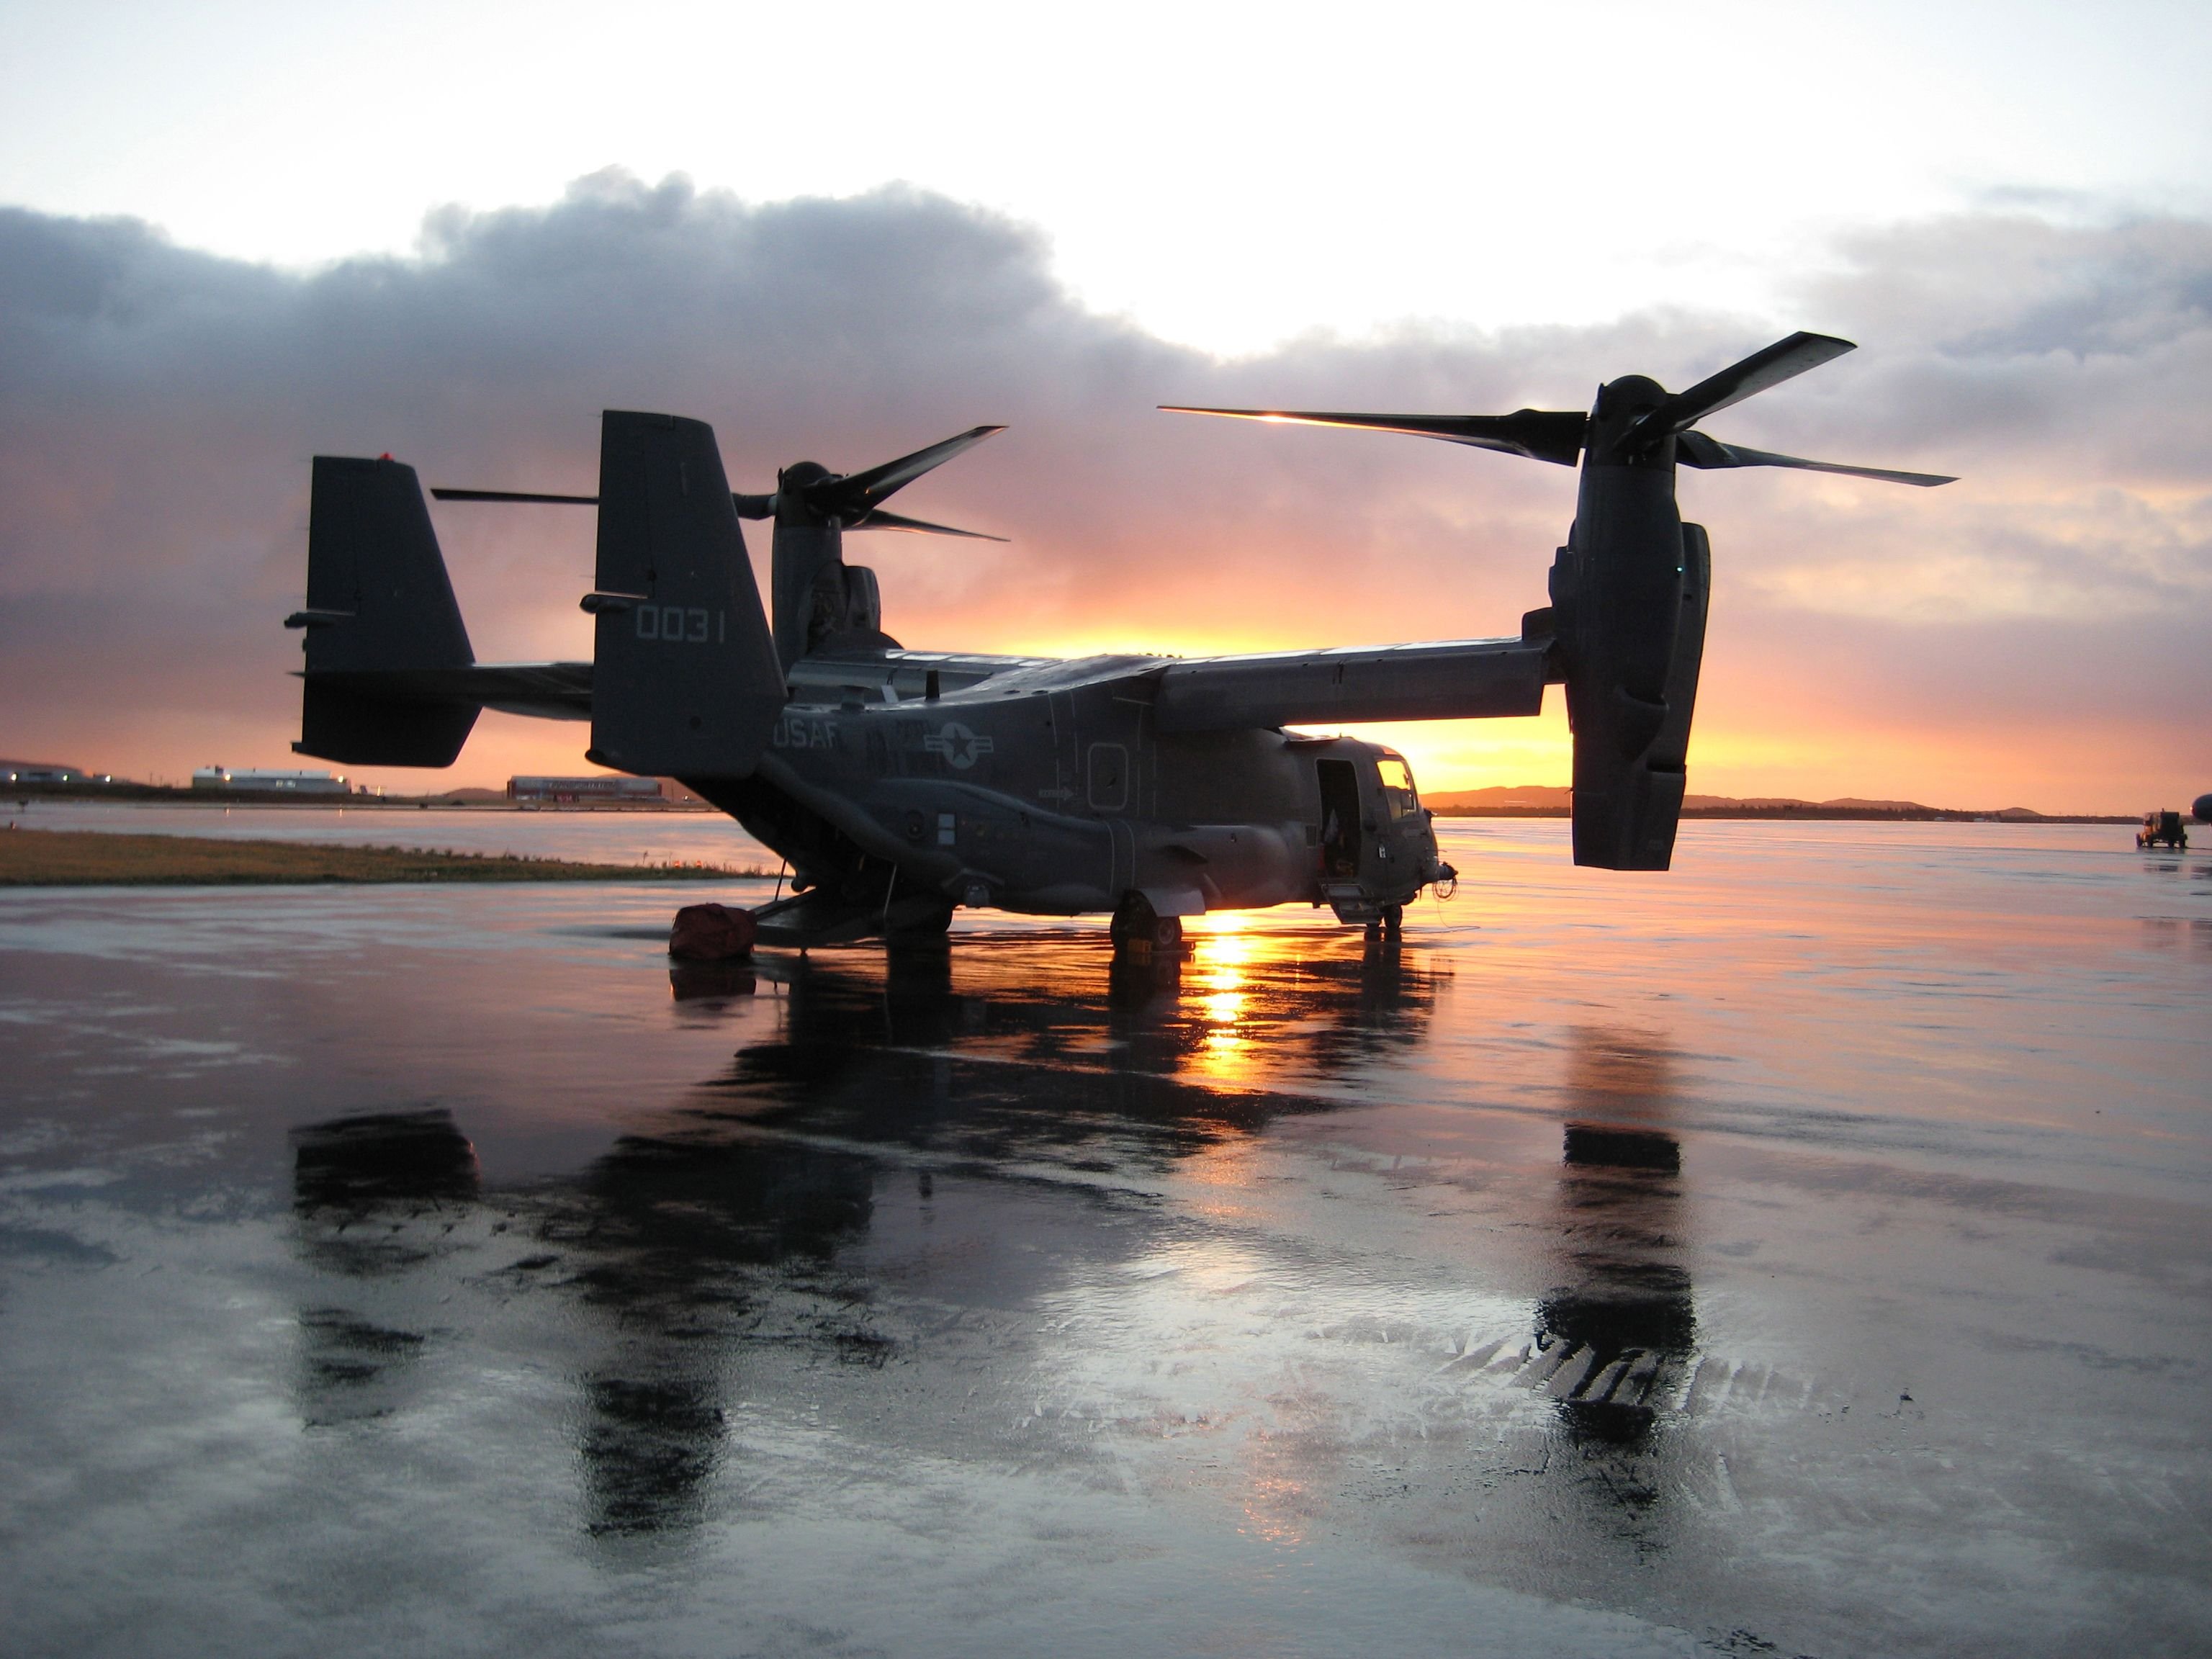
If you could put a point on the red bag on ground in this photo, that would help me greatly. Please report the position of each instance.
(711, 933)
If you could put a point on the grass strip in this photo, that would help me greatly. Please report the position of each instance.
(95, 858)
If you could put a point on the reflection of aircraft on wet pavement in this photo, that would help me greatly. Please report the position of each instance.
(950, 1133)
(373, 1197)
(1615, 1317)
(671, 1247)
(900, 784)
(716, 1234)
(1622, 1313)
(1242, 1012)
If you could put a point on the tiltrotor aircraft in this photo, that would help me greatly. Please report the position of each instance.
(901, 784)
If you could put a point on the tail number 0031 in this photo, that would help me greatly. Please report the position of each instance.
(680, 625)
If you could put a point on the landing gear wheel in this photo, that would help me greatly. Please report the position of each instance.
(1138, 927)
(924, 920)
(1394, 919)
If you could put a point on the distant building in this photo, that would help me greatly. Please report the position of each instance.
(269, 779)
(12, 771)
(605, 789)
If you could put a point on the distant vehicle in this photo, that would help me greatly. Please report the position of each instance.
(900, 784)
(2202, 808)
(2166, 829)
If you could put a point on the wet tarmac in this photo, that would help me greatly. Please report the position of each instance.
(1806, 1253)
(587, 835)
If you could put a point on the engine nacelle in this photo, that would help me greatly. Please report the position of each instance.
(1633, 639)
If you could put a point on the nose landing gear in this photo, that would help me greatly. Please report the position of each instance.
(1389, 924)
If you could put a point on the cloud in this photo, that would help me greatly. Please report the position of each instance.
(158, 408)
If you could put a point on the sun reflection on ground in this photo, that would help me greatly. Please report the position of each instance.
(1222, 954)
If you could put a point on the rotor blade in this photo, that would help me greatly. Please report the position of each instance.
(1780, 361)
(513, 495)
(1541, 434)
(880, 520)
(754, 506)
(1696, 449)
(857, 492)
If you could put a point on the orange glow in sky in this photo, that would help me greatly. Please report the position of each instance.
(2030, 635)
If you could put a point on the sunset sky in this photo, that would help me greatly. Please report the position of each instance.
(234, 236)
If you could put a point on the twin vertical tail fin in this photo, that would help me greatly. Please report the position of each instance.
(381, 622)
(685, 682)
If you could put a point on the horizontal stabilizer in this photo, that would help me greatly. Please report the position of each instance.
(543, 690)
(525, 496)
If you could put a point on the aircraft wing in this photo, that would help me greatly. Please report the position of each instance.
(1455, 679)
(548, 691)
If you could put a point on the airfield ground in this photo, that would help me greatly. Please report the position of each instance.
(1806, 1251)
(77, 858)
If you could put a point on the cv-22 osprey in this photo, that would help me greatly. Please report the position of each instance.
(900, 785)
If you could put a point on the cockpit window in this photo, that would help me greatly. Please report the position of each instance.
(1398, 796)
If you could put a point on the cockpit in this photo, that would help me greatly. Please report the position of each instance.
(1399, 799)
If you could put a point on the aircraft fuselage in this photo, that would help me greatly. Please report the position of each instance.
(1047, 787)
